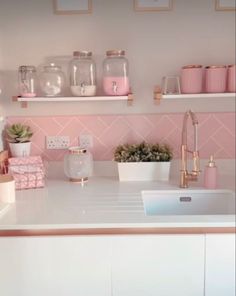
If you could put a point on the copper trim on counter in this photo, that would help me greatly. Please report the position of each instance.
(116, 231)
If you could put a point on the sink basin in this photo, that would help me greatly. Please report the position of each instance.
(189, 202)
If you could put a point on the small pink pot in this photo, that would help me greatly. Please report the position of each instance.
(231, 83)
(191, 79)
(215, 79)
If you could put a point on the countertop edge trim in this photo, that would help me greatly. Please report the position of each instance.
(115, 231)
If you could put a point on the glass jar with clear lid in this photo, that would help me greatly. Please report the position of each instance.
(78, 164)
(82, 71)
(27, 81)
(52, 80)
(116, 73)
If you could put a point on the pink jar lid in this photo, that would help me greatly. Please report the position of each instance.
(216, 67)
(77, 150)
(191, 66)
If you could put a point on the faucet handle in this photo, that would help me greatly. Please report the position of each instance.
(196, 163)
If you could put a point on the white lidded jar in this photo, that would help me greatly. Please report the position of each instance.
(52, 80)
(78, 164)
(82, 71)
(116, 73)
(27, 81)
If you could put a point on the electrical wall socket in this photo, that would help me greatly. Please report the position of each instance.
(57, 142)
(86, 141)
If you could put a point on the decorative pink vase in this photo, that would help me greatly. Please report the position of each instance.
(191, 79)
(215, 79)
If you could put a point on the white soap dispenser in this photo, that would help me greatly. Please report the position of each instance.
(211, 174)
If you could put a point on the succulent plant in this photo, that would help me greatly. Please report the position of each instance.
(143, 152)
(18, 133)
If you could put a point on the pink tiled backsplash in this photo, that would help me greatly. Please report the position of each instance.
(216, 132)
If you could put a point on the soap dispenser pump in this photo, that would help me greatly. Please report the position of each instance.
(210, 174)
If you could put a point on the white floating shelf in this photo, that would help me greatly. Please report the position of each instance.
(24, 100)
(158, 96)
(199, 96)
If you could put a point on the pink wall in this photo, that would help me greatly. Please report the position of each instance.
(216, 132)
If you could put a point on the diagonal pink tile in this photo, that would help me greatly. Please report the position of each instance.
(206, 129)
(108, 119)
(226, 141)
(227, 120)
(209, 148)
(161, 131)
(118, 129)
(94, 124)
(46, 124)
(216, 132)
(72, 129)
(62, 120)
(140, 124)
(153, 119)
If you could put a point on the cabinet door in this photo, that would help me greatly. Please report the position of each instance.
(162, 265)
(220, 265)
(57, 266)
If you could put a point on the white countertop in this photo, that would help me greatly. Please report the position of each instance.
(102, 203)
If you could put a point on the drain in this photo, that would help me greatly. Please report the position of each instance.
(185, 199)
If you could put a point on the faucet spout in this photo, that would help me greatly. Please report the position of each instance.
(185, 175)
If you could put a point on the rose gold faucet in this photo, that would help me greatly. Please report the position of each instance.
(185, 176)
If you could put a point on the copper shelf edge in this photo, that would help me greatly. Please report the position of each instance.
(115, 231)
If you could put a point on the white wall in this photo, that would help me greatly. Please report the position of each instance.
(157, 44)
(1, 66)
(1, 90)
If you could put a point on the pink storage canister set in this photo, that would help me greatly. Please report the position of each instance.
(213, 79)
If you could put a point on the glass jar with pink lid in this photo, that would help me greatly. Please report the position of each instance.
(116, 73)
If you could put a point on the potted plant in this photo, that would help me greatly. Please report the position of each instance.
(18, 137)
(142, 162)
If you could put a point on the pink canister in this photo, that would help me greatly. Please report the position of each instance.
(216, 79)
(191, 79)
(231, 83)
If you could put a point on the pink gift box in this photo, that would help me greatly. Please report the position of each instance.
(25, 160)
(28, 181)
(28, 172)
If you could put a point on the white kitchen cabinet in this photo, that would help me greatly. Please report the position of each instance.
(163, 265)
(55, 266)
(220, 265)
(123, 265)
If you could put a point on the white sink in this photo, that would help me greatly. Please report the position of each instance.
(189, 202)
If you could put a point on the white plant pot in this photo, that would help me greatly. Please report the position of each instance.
(143, 171)
(20, 149)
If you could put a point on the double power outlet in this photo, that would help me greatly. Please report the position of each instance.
(63, 142)
(57, 142)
